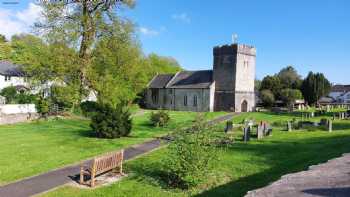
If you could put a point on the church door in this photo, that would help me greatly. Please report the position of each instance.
(244, 106)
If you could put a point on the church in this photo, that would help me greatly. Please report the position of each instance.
(228, 87)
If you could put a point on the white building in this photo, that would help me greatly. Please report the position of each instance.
(340, 93)
(12, 75)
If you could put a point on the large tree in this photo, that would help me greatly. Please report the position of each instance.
(314, 86)
(271, 83)
(80, 25)
(289, 78)
(5, 49)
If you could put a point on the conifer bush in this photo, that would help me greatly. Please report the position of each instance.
(111, 122)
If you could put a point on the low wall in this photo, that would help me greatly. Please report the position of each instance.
(17, 108)
(15, 113)
(16, 118)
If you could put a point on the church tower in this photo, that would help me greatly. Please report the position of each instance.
(234, 76)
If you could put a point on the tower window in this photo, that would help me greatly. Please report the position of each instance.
(195, 100)
(185, 100)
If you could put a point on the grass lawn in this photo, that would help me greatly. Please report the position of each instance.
(241, 167)
(28, 149)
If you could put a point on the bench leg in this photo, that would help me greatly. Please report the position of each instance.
(92, 180)
(81, 176)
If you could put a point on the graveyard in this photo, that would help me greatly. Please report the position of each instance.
(255, 149)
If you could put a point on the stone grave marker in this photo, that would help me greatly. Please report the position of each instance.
(289, 126)
(229, 126)
(246, 134)
(260, 131)
(330, 126)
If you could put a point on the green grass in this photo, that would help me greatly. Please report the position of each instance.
(28, 149)
(241, 167)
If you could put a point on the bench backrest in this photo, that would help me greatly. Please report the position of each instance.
(107, 162)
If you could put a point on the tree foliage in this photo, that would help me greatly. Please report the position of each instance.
(162, 65)
(191, 156)
(267, 98)
(289, 78)
(315, 86)
(290, 95)
(272, 83)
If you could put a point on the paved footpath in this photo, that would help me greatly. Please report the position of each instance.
(324, 180)
(50, 180)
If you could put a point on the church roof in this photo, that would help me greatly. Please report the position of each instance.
(341, 88)
(160, 81)
(10, 69)
(192, 79)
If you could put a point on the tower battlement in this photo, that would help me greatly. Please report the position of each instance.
(234, 49)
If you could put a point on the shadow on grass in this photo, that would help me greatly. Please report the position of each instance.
(284, 158)
(279, 156)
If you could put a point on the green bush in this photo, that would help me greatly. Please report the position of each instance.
(42, 107)
(111, 122)
(89, 108)
(267, 98)
(190, 158)
(160, 118)
(24, 98)
(9, 93)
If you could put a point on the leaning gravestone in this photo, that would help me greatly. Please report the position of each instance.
(229, 126)
(246, 135)
(330, 126)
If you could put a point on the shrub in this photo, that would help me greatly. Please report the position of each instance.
(160, 119)
(190, 158)
(89, 108)
(9, 93)
(42, 107)
(111, 122)
(24, 98)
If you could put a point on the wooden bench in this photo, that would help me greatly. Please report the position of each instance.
(101, 165)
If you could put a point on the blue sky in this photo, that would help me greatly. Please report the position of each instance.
(310, 35)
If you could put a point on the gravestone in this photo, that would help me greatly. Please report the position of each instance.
(289, 126)
(330, 126)
(260, 131)
(333, 116)
(246, 134)
(229, 126)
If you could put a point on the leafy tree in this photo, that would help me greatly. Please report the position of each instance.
(315, 86)
(289, 78)
(257, 84)
(290, 95)
(271, 83)
(111, 122)
(42, 107)
(80, 24)
(5, 48)
(191, 156)
(9, 93)
(267, 97)
(161, 65)
(2, 38)
(117, 72)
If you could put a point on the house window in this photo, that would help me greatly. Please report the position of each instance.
(7, 78)
(155, 96)
(185, 100)
(195, 101)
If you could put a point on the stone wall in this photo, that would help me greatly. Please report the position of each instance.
(16, 118)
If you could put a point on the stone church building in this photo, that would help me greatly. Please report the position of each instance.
(228, 87)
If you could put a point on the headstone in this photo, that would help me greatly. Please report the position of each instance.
(333, 116)
(229, 126)
(246, 135)
(289, 125)
(312, 114)
(330, 126)
(260, 131)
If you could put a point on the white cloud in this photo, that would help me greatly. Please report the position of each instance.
(149, 32)
(183, 17)
(15, 23)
